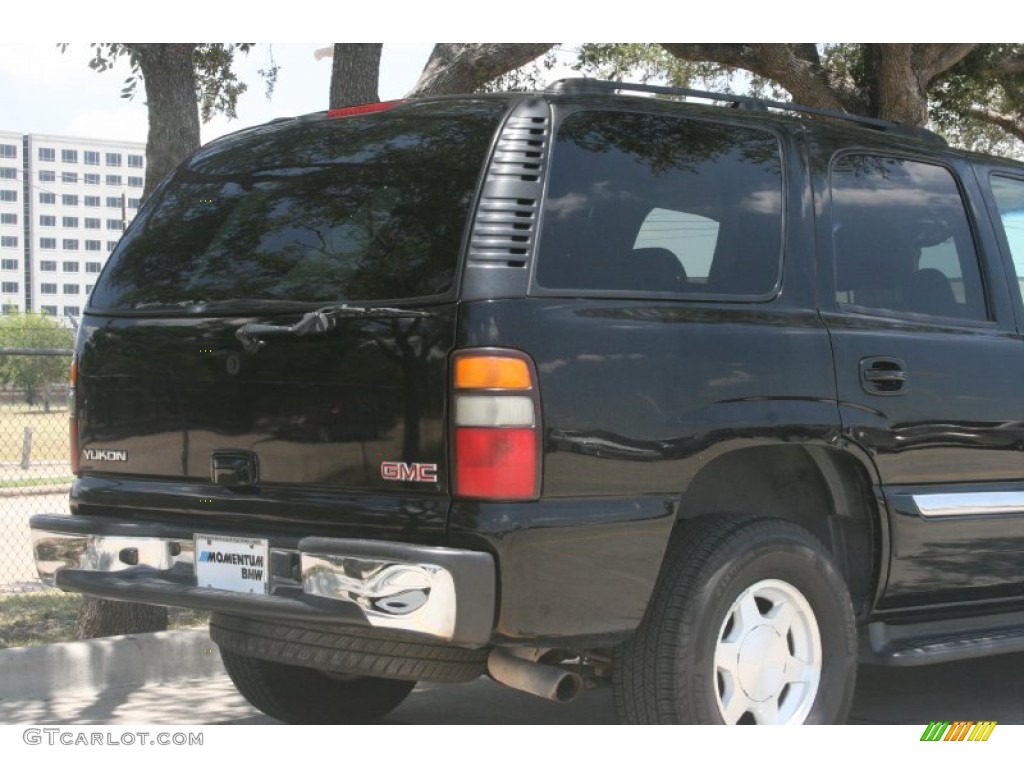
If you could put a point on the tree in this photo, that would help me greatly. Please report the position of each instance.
(355, 73)
(973, 92)
(183, 82)
(466, 67)
(34, 373)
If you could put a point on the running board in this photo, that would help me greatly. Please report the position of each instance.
(909, 645)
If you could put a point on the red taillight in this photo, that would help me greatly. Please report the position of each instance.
(495, 426)
(73, 415)
(364, 109)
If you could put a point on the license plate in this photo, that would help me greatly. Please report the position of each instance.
(233, 564)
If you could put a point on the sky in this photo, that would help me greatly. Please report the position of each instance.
(45, 91)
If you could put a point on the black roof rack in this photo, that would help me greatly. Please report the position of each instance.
(585, 85)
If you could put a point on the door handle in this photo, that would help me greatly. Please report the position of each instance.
(883, 376)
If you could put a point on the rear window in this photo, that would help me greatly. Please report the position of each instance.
(367, 208)
(656, 203)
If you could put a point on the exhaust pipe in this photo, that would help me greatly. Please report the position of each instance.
(542, 680)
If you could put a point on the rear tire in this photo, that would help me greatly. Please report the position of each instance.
(750, 623)
(303, 695)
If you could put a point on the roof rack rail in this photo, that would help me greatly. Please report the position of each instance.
(585, 85)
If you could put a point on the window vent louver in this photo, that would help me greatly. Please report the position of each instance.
(506, 218)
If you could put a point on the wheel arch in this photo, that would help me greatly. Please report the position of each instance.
(827, 491)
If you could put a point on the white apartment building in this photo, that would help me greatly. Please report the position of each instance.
(64, 202)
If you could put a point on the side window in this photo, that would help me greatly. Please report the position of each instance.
(1009, 196)
(902, 239)
(657, 203)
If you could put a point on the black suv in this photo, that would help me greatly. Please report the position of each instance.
(568, 388)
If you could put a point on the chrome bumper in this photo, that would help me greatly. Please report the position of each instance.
(448, 594)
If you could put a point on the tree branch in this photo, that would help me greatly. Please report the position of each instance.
(791, 66)
(1008, 123)
(465, 67)
(355, 72)
(932, 59)
(1011, 65)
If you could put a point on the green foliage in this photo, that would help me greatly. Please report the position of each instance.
(642, 62)
(976, 84)
(33, 373)
(217, 85)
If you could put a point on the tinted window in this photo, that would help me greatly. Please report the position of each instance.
(902, 239)
(1009, 196)
(658, 203)
(357, 208)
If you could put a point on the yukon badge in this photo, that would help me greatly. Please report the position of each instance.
(104, 454)
(417, 473)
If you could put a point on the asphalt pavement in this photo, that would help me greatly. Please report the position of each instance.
(152, 685)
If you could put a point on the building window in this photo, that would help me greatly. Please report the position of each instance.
(92, 223)
(8, 218)
(88, 290)
(136, 181)
(71, 290)
(92, 178)
(8, 263)
(113, 180)
(47, 154)
(47, 266)
(9, 241)
(133, 202)
(9, 287)
(8, 173)
(69, 199)
(71, 222)
(69, 177)
(11, 150)
(69, 244)
(114, 159)
(135, 161)
(92, 245)
(48, 309)
(92, 201)
(93, 266)
(113, 202)
(114, 224)
(111, 245)
(69, 155)
(70, 266)
(48, 288)
(47, 221)
(47, 176)
(92, 158)
(48, 243)
(8, 195)
(47, 198)
(71, 311)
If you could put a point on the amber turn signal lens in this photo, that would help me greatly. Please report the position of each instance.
(491, 372)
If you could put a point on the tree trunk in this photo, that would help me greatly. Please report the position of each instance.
(465, 67)
(894, 88)
(169, 76)
(105, 618)
(354, 74)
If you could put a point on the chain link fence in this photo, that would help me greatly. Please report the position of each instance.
(35, 472)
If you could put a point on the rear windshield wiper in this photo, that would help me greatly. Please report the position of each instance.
(318, 321)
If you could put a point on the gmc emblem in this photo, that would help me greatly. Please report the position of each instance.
(417, 473)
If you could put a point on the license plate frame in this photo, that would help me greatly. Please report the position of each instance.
(232, 563)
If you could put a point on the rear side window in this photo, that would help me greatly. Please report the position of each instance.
(1009, 196)
(656, 203)
(366, 208)
(902, 239)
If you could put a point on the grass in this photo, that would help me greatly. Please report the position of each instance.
(49, 432)
(49, 617)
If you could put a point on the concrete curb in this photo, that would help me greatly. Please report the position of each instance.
(128, 661)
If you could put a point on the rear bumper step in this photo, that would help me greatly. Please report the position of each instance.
(443, 593)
